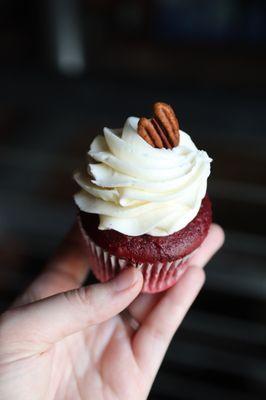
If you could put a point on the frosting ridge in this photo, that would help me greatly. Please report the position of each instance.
(138, 189)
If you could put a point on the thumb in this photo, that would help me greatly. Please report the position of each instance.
(55, 317)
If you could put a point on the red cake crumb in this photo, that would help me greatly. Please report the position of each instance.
(147, 248)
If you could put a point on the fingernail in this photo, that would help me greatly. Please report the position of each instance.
(125, 279)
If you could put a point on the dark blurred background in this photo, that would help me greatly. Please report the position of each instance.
(68, 68)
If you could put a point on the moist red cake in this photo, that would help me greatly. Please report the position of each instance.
(111, 250)
(146, 248)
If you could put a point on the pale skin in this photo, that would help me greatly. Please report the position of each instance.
(62, 340)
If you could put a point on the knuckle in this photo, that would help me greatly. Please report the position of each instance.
(78, 300)
(157, 333)
(81, 302)
(162, 333)
(77, 297)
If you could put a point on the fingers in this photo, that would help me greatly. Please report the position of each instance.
(143, 305)
(153, 338)
(71, 255)
(214, 240)
(65, 271)
(51, 319)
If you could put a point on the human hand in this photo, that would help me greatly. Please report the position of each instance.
(64, 341)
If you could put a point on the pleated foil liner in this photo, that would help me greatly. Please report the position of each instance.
(158, 276)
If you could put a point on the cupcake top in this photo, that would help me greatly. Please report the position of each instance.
(147, 178)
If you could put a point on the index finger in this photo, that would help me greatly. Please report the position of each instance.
(162, 314)
(71, 256)
(154, 335)
(66, 270)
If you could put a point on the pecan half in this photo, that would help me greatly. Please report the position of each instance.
(149, 133)
(165, 116)
(162, 130)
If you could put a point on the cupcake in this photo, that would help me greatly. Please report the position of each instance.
(143, 199)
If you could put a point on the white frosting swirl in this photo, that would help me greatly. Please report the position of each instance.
(138, 189)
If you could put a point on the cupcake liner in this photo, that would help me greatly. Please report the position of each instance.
(158, 276)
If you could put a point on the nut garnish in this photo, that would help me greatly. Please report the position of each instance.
(148, 131)
(162, 130)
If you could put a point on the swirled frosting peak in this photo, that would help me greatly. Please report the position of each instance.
(138, 189)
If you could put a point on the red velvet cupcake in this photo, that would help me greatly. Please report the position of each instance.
(143, 200)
